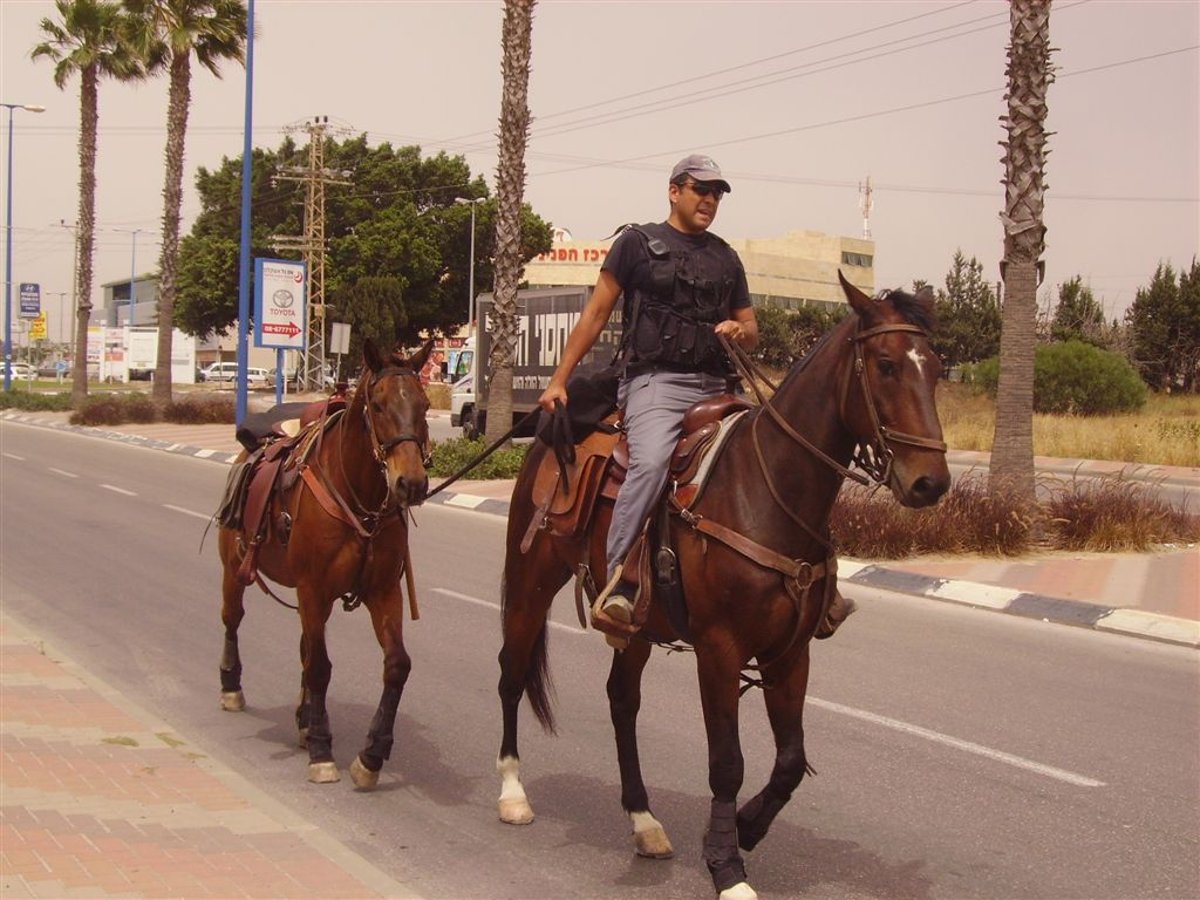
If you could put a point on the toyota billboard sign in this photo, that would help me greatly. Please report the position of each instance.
(279, 304)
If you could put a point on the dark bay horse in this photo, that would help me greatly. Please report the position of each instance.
(756, 561)
(340, 531)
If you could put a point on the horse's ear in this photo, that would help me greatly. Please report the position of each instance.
(925, 296)
(417, 363)
(371, 356)
(859, 301)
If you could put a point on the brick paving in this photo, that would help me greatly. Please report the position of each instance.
(97, 799)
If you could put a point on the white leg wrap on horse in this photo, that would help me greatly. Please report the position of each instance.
(650, 837)
(740, 891)
(514, 806)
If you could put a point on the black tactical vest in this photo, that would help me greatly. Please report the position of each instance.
(670, 325)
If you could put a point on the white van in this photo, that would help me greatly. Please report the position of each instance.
(228, 372)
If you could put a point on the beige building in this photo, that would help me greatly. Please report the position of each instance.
(797, 269)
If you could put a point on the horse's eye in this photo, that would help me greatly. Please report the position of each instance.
(887, 368)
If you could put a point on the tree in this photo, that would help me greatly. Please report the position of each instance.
(170, 33)
(1164, 325)
(968, 315)
(516, 39)
(1077, 315)
(91, 39)
(374, 308)
(398, 220)
(1029, 77)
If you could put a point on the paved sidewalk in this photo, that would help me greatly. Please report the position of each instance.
(1150, 595)
(98, 799)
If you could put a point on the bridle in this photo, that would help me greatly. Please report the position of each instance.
(381, 448)
(875, 457)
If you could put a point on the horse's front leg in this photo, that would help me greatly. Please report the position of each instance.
(232, 612)
(387, 617)
(719, 669)
(624, 702)
(314, 613)
(787, 683)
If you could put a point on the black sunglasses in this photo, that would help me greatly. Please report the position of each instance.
(704, 190)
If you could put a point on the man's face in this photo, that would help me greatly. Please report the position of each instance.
(695, 204)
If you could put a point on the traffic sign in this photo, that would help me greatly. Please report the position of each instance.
(37, 327)
(279, 304)
(31, 299)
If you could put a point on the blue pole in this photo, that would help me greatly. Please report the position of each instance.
(8, 261)
(280, 375)
(244, 273)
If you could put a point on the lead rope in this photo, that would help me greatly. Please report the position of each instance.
(484, 455)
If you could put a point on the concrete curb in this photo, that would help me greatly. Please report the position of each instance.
(1078, 613)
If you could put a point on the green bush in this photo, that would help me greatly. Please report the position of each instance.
(450, 456)
(1074, 378)
(115, 409)
(32, 402)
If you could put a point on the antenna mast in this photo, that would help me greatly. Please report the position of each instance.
(866, 202)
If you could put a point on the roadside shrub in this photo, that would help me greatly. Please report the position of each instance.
(200, 411)
(1114, 513)
(1074, 378)
(31, 402)
(115, 409)
(450, 456)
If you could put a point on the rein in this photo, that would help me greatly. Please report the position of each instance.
(496, 445)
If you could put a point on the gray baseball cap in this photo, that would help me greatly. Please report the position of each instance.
(701, 168)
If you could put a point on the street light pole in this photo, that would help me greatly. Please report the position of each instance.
(8, 243)
(472, 306)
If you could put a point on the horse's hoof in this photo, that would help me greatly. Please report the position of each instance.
(363, 778)
(516, 811)
(653, 844)
(323, 773)
(233, 701)
(740, 891)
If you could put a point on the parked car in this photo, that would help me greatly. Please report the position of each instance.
(21, 371)
(228, 372)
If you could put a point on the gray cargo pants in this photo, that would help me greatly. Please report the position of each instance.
(654, 404)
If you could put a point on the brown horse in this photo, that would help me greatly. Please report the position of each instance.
(756, 561)
(340, 530)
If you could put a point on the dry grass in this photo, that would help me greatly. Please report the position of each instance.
(1113, 513)
(1166, 432)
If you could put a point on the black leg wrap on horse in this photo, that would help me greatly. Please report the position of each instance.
(231, 667)
(381, 734)
(755, 817)
(320, 740)
(720, 846)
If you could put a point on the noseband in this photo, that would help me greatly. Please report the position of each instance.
(875, 457)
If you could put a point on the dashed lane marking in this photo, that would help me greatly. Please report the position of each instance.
(63, 473)
(187, 512)
(118, 490)
(13, 456)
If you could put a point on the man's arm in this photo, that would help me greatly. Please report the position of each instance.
(741, 329)
(591, 322)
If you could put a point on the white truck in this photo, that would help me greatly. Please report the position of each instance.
(545, 317)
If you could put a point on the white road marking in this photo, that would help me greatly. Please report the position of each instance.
(118, 490)
(14, 456)
(918, 360)
(187, 512)
(571, 629)
(61, 472)
(916, 730)
(937, 737)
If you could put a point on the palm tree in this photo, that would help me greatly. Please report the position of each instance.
(172, 31)
(91, 39)
(516, 40)
(1029, 76)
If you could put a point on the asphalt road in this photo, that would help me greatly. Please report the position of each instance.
(961, 753)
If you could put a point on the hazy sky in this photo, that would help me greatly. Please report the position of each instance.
(798, 102)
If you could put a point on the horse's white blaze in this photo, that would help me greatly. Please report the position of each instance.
(918, 360)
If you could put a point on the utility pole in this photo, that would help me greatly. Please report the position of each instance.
(311, 245)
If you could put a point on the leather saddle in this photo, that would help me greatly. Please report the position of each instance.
(565, 499)
(278, 442)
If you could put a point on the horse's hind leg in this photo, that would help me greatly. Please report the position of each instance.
(785, 707)
(624, 702)
(530, 583)
(387, 615)
(232, 612)
(314, 613)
